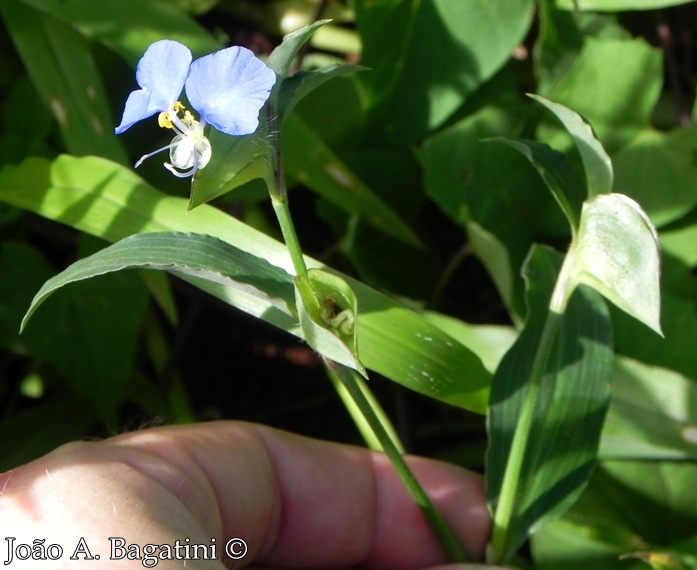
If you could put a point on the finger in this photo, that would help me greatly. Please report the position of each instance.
(295, 501)
(299, 501)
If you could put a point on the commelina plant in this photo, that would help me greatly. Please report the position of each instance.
(547, 399)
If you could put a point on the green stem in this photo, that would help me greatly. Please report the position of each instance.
(359, 419)
(285, 221)
(367, 407)
(279, 200)
(348, 378)
(509, 494)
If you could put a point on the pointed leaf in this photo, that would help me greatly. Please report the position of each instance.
(565, 184)
(234, 161)
(428, 57)
(312, 162)
(648, 416)
(130, 26)
(201, 256)
(656, 159)
(294, 88)
(617, 253)
(572, 400)
(282, 57)
(596, 162)
(108, 200)
(61, 67)
(587, 81)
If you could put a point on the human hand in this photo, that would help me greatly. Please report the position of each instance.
(294, 502)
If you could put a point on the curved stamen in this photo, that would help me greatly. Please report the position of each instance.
(187, 173)
(146, 156)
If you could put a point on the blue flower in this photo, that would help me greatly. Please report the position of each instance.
(227, 89)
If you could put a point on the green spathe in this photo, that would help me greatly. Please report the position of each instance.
(617, 253)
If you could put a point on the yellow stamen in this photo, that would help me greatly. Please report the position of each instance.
(164, 121)
(163, 118)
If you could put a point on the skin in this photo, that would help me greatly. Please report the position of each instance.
(295, 501)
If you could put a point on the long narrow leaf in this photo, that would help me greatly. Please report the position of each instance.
(573, 398)
(107, 200)
(129, 26)
(199, 255)
(596, 163)
(59, 63)
(309, 160)
(565, 185)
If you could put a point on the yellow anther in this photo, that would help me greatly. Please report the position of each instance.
(164, 121)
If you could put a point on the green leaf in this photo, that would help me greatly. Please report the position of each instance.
(495, 257)
(309, 160)
(130, 26)
(294, 88)
(618, 5)
(629, 507)
(617, 253)
(648, 417)
(656, 160)
(282, 57)
(570, 407)
(459, 174)
(201, 256)
(61, 66)
(559, 41)
(110, 201)
(92, 339)
(428, 56)
(596, 162)
(604, 76)
(234, 162)
(552, 166)
(489, 342)
(328, 311)
(85, 336)
(42, 428)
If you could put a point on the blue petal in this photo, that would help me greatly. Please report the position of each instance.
(228, 88)
(161, 74)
